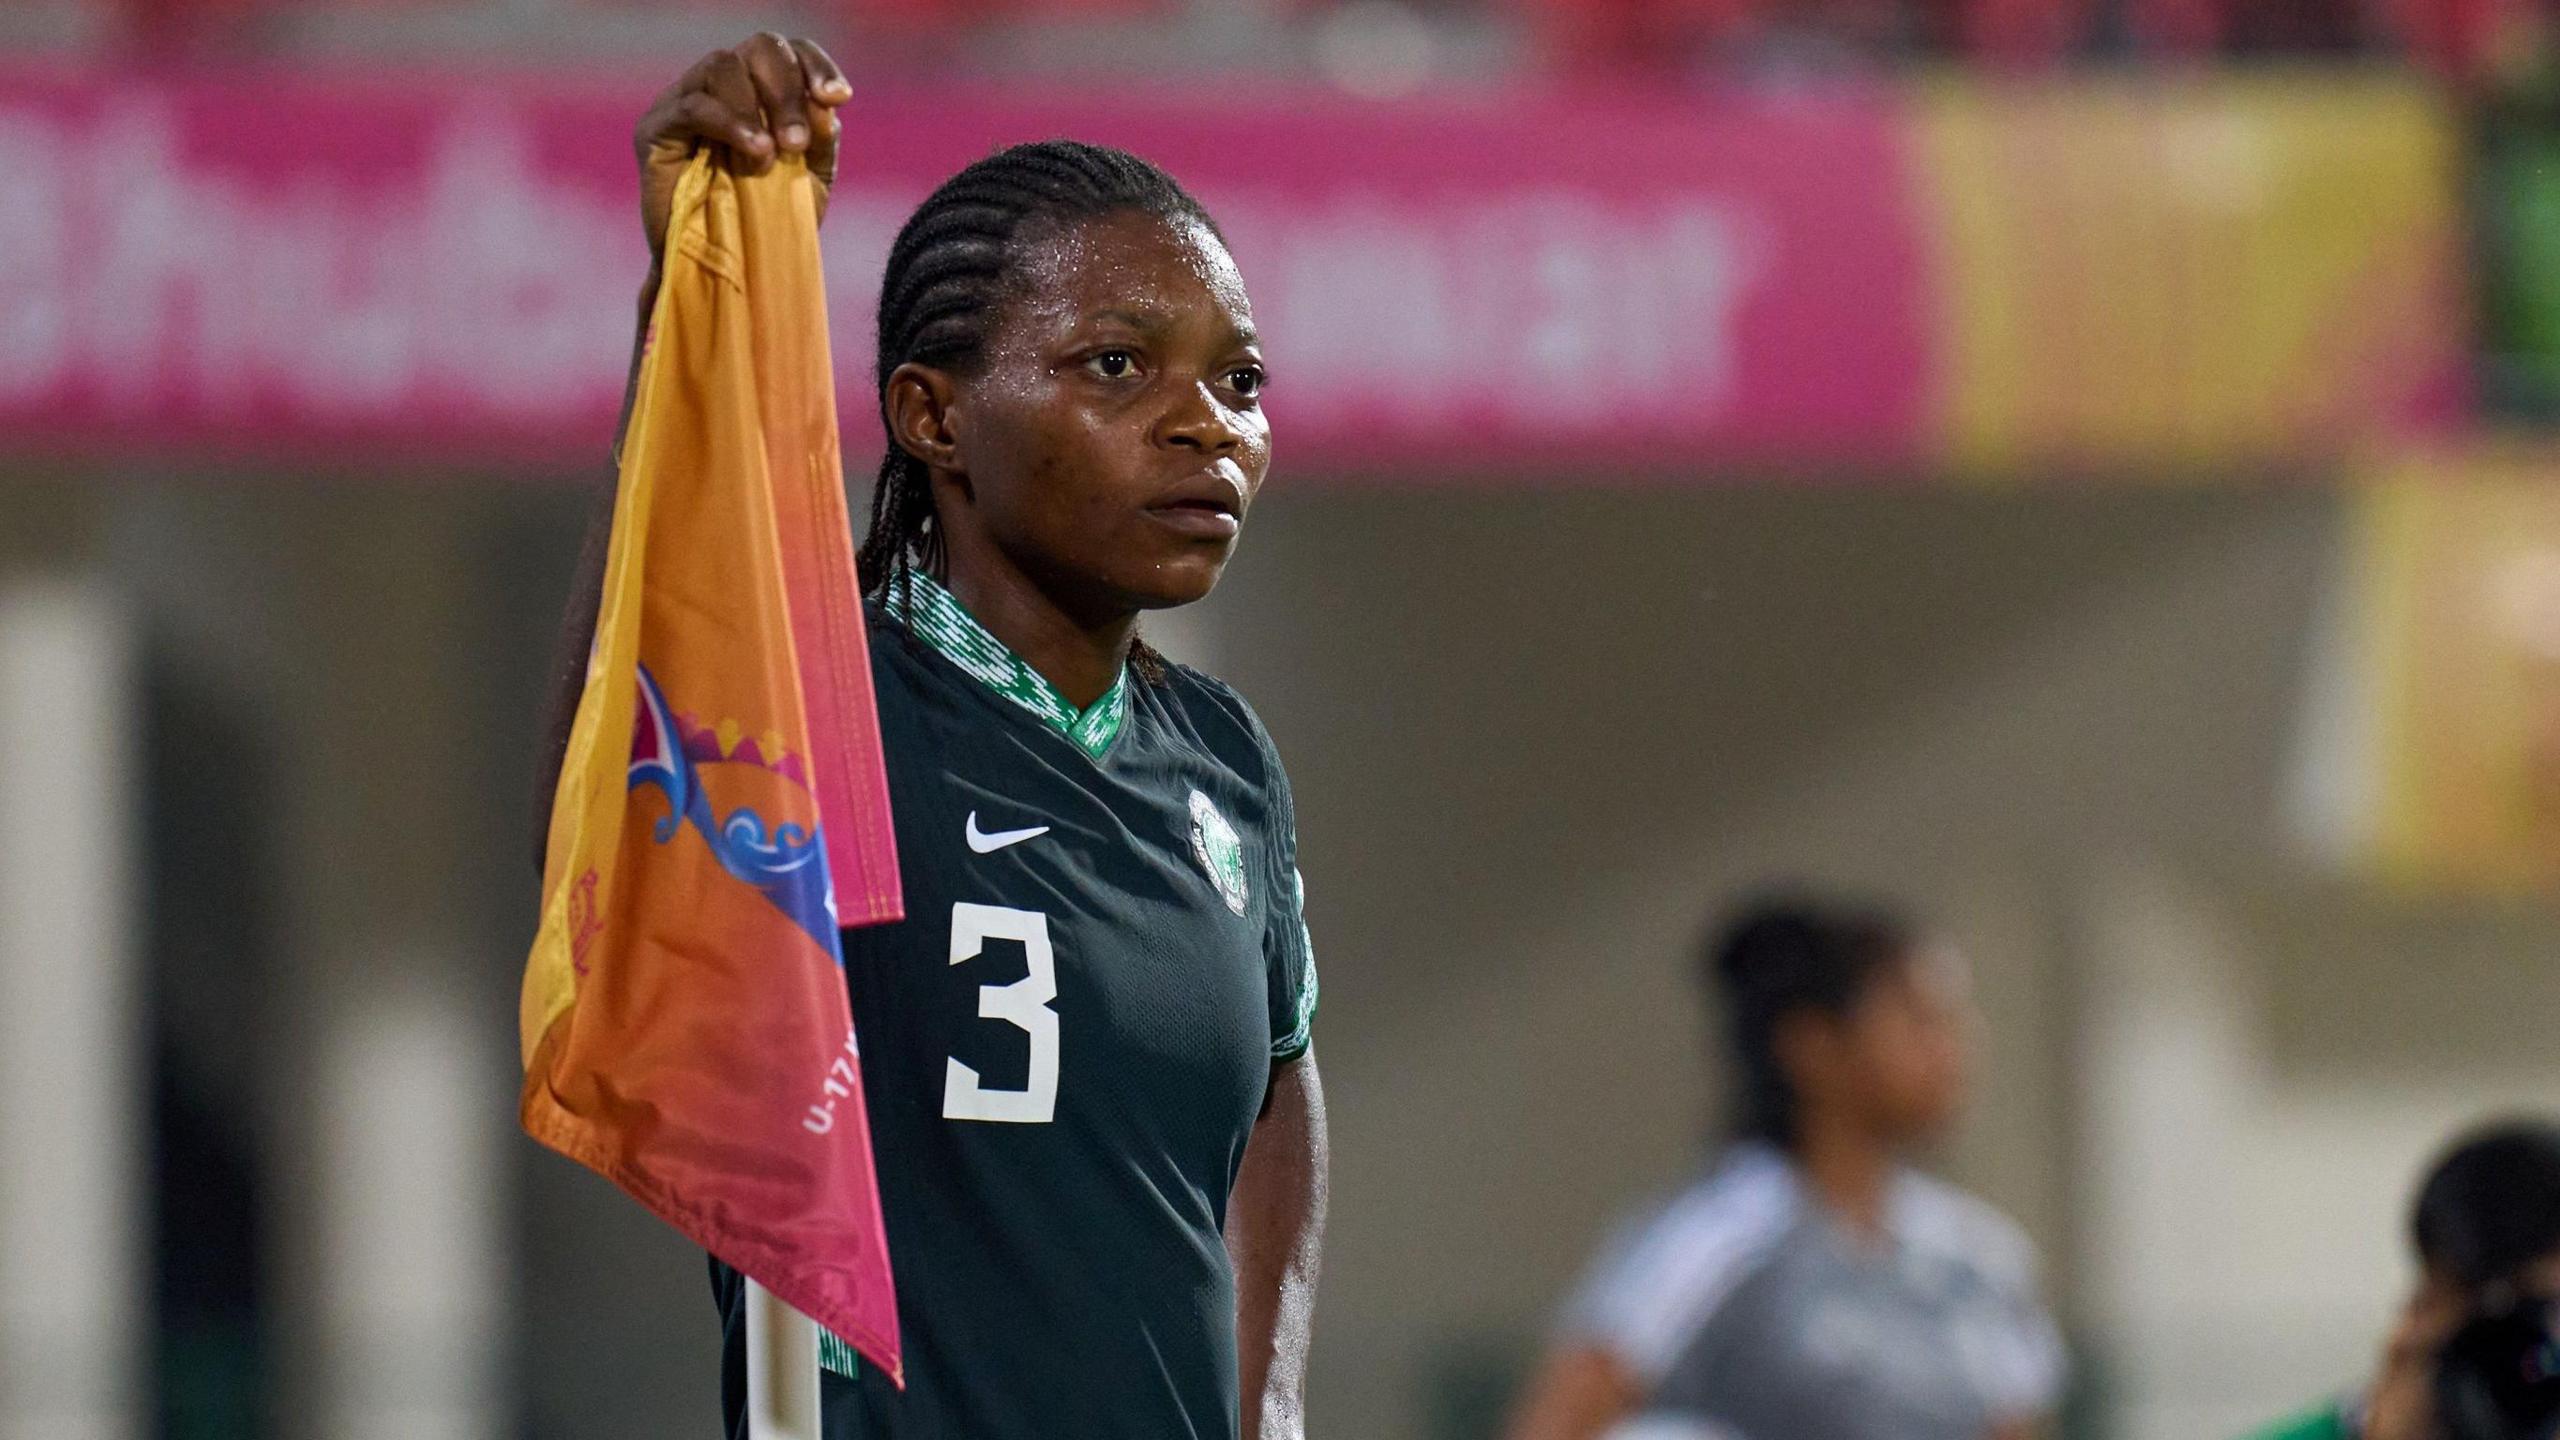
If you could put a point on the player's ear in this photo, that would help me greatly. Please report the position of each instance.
(921, 403)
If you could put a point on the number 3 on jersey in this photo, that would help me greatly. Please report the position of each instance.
(1025, 1002)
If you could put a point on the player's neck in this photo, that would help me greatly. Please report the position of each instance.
(1081, 656)
(1848, 1171)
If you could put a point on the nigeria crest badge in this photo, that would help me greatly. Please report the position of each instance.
(1220, 852)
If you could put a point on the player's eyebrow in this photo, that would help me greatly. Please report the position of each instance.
(1144, 321)
(1152, 322)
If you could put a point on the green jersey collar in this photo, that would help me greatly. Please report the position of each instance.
(937, 618)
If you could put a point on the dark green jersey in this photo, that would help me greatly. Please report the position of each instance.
(1066, 1042)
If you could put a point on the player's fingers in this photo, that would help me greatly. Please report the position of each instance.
(662, 119)
(732, 87)
(694, 74)
(827, 85)
(825, 133)
(826, 137)
(827, 89)
(781, 89)
(702, 118)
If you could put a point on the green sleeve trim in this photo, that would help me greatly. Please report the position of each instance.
(1302, 1037)
(1302, 1030)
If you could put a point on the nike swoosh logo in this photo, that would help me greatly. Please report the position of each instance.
(986, 844)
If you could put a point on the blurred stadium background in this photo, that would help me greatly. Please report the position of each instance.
(2075, 464)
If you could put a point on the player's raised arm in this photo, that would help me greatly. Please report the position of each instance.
(748, 104)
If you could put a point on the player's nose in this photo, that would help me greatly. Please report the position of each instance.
(1198, 420)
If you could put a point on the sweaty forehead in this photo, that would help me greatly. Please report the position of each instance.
(1171, 270)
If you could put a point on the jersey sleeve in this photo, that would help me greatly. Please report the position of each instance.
(1662, 1278)
(2019, 1352)
(2029, 1364)
(1287, 950)
(1289, 960)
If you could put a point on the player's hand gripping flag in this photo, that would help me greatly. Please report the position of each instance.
(722, 808)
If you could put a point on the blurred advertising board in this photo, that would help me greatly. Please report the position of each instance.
(2435, 721)
(2260, 269)
(434, 270)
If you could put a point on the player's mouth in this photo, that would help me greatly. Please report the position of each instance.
(1209, 505)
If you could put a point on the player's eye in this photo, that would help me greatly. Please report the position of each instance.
(1113, 364)
(1247, 380)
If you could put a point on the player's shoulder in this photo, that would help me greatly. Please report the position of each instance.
(1743, 1203)
(1220, 720)
(1675, 1267)
(917, 689)
(895, 649)
(1963, 1229)
(1709, 1235)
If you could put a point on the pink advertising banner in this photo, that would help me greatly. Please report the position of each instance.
(348, 273)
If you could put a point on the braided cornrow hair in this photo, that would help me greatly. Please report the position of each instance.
(951, 270)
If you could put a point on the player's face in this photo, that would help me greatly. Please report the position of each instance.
(1909, 1043)
(1115, 436)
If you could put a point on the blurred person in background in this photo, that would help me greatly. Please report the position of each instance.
(2475, 1354)
(1086, 1050)
(1812, 1285)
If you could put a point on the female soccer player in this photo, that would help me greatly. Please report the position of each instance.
(1086, 1050)
(1811, 1286)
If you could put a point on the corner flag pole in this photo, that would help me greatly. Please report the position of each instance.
(782, 1369)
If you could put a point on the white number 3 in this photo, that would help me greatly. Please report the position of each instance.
(1025, 1002)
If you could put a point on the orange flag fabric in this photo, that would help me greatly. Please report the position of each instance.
(722, 809)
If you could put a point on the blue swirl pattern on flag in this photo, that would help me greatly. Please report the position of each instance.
(786, 862)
